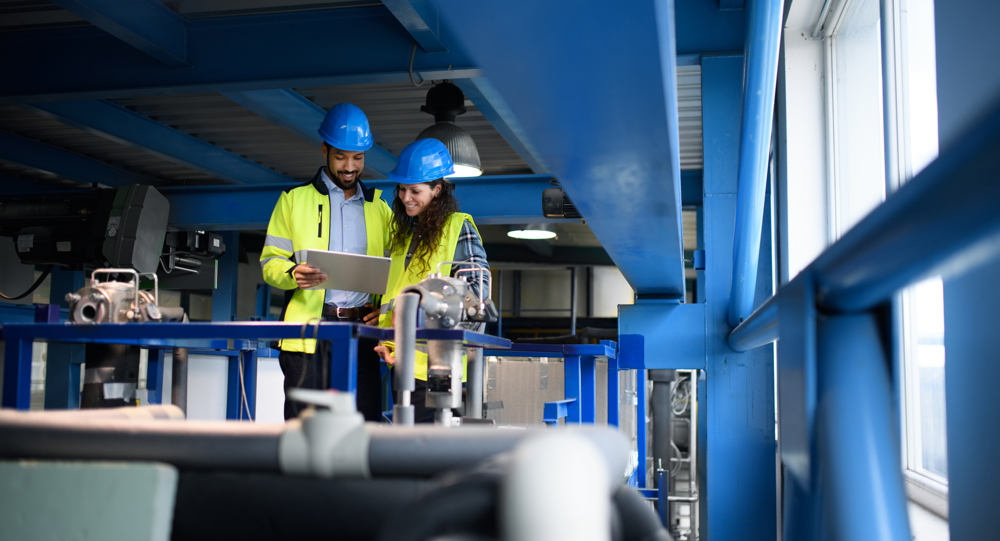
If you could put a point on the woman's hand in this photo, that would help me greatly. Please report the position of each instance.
(307, 276)
(383, 352)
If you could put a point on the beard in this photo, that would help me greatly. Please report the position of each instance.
(335, 176)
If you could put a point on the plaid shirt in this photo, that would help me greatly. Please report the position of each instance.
(470, 248)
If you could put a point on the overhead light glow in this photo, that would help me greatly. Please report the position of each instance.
(465, 171)
(532, 231)
(533, 235)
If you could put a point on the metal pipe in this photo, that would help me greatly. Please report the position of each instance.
(185, 444)
(179, 382)
(406, 345)
(474, 384)
(758, 329)
(572, 300)
(500, 303)
(760, 68)
(943, 222)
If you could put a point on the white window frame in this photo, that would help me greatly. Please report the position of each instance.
(924, 487)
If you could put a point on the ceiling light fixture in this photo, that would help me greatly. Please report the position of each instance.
(533, 231)
(446, 101)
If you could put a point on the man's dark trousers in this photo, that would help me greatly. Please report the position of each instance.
(307, 371)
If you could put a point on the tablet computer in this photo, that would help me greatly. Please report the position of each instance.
(351, 272)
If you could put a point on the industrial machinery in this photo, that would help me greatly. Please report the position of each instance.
(122, 227)
(448, 303)
(112, 370)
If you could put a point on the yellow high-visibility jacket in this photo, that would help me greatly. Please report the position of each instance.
(300, 222)
(400, 277)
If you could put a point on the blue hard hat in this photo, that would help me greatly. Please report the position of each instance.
(423, 160)
(345, 127)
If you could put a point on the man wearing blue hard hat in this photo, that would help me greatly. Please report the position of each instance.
(334, 211)
(426, 230)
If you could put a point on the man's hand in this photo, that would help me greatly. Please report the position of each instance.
(383, 352)
(307, 276)
(371, 318)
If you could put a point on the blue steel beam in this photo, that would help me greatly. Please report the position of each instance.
(760, 78)
(491, 199)
(488, 101)
(704, 28)
(421, 20)
(293, 112)
(673, 334)
(146, 25)
(611, 139)
(943, 222)
(284, 50)
(63, 163)
(118, 124)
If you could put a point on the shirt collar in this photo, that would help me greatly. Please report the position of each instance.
(334, 189)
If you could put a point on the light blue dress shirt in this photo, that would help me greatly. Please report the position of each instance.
(347, 234)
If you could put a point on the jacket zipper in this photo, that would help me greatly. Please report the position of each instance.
(319, 231)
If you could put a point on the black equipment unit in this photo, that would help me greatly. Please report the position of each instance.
(106, 227)
(555, 204)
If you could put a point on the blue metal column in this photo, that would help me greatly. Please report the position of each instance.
(224, 309)
(63, 361)
(613, 399)
(640, 425)
(262, 309)
(154, 376)
(737, 456)
(588, 389)
(17, 374)
(764, 24)
(224, 296)
(343, 363)
(859, 454)
(236, 407)
(972, 402)
(573, 374)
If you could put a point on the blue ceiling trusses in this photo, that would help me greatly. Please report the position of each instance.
(596, 94)
(146, 25)
(485, 97)
(292, 111)
(129, 128)
(421, 20)
(253, 52)
(63, 163)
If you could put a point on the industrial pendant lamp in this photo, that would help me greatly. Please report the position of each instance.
(532, 231)
(446, 101)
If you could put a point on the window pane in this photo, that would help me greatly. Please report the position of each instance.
(859, 169)
(926, 379)
(925, 355)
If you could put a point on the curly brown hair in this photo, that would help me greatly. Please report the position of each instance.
(426, 227)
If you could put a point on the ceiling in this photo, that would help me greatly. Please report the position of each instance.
(127, 115)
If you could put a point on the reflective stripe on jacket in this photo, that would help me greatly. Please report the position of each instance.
(400, 278)
(300, 222)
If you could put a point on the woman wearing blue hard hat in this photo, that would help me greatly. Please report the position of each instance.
(426, 229)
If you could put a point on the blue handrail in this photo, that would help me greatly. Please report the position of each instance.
(944, 221)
